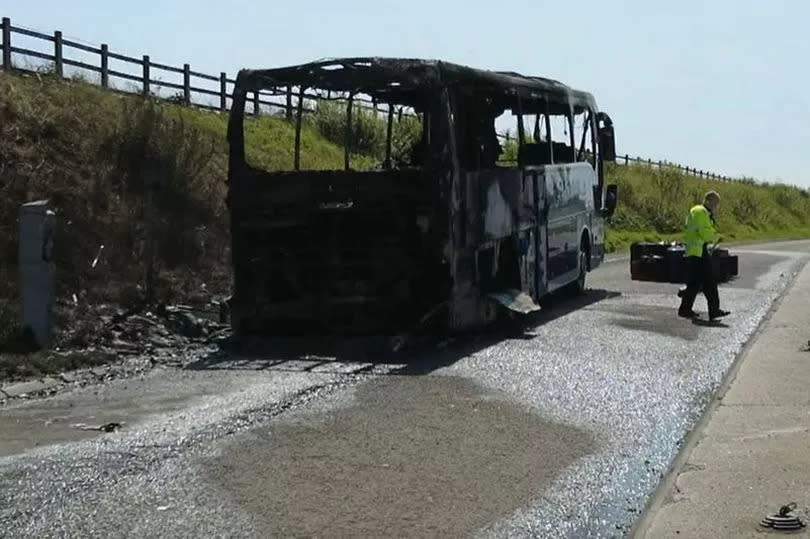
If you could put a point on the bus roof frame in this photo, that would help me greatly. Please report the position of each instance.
(403, 77)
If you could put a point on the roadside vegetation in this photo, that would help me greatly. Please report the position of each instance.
(138, 188)
(146, 181)
(653, 205)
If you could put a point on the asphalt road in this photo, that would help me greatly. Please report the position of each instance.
(562, 430)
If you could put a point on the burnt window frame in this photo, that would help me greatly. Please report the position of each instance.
(586, 151)
(569, 116)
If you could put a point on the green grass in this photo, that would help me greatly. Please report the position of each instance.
(89, 150)
(270, 141)
(653, 205)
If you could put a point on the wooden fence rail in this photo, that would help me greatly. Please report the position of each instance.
(145, 83)
(662, 165)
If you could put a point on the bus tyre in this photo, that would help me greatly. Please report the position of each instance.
(577, 288)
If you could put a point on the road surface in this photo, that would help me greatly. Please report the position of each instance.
(563, 430)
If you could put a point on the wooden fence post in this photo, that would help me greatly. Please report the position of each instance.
(223, 92)
(105, 66)
(627, 159)
(256, 110)
(6, 44)
(146, 80)
(58, 63)
(187, 84)
(289, 107)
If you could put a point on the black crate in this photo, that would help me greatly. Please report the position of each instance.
(644, 249)
(666, 263)
(733, 265)
(649, 268)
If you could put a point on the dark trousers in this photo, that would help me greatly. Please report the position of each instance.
(700, 278)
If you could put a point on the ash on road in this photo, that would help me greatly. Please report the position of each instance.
(563, 431)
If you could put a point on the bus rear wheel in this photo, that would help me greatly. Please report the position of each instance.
(577, 287)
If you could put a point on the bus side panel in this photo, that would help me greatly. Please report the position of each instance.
(569, 193)
(499, 203)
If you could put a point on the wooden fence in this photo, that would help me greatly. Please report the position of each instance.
(145, 81)
(188, 91)
(627, 160)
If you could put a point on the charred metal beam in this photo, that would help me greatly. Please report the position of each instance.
(298, 114)
(521, 131)
(592, 123)
(572, 138)
(289, 109)
(548, 132)
(347, 143)
(236, 134)
(520, 127)
(388, 134)
(584, 137)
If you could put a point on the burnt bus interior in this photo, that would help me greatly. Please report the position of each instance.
(371, 247)
(551, 128)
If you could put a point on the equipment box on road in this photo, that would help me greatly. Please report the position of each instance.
(666, 263)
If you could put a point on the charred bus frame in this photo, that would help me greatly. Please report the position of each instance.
(443, 240)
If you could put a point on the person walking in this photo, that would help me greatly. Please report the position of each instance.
(701, 236)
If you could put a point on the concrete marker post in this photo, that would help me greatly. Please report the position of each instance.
(37, 224)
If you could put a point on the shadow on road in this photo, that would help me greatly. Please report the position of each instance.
(421, 355)
(709, 323)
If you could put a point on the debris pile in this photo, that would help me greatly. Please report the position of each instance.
(168, 330)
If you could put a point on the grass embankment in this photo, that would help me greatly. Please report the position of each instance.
(653, 205)
(91, 153)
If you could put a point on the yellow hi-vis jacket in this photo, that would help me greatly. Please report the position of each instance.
(699, 230)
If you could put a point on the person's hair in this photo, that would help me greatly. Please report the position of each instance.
(712, 196)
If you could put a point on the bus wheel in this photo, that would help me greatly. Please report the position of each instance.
(577, 288)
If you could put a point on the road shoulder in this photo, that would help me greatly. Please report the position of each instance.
(749, 455)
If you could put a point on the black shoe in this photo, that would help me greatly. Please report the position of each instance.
(718, 314)
(681, 292)
(687, 314)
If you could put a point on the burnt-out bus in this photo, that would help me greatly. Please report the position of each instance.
(439, 224)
